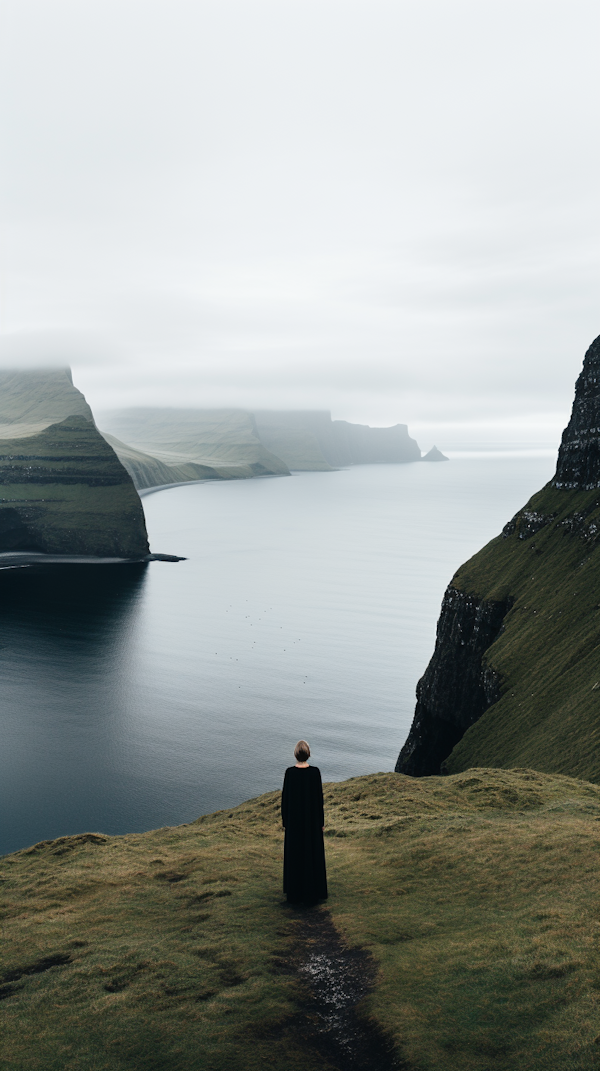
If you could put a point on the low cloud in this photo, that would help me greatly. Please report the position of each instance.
(387, 210)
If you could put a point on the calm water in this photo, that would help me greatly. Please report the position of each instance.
(140, 696)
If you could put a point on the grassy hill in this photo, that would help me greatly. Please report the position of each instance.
(474, 894)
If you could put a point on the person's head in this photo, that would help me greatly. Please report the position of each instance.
(302, 751)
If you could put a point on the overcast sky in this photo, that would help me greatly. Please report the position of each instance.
(387, 209)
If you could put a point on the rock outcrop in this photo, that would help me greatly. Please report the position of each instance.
(578, 466)
(311, 440)
(514, 680)
(63, 489)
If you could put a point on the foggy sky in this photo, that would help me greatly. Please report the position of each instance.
(389, 210)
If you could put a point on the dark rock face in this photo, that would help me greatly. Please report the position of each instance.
(578, 466)
(457, 687)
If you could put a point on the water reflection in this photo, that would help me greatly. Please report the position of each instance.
(65, 646)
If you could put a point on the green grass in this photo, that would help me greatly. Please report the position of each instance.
(476, 894)
(548, 654)
(71, 493)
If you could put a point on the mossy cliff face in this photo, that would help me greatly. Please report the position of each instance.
(515, 676)
(63, 489)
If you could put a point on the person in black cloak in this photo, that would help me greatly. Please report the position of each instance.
(304, 875)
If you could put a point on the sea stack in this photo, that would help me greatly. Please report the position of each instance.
(63, 490)
(434, 455)
(514, 680)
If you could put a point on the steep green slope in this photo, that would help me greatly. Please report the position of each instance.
(547, 656)
(224, 441)
(171, 951)
(515, 676)
(62, 488)
(64, 491)
(149, 471)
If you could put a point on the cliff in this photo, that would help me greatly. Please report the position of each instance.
(296, 437)
(515, 676)
(62, 488)
(148, 471)
(164, 446)
(178, 445)
(311, 440)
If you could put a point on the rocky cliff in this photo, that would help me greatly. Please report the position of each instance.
(62, 488)
(578, 466)
(311, 440)
(515, 676)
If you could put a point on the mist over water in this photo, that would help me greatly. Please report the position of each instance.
(142, 696)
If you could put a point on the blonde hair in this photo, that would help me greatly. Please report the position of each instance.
(302, 751)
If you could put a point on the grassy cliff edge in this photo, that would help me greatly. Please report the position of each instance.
(475, 893)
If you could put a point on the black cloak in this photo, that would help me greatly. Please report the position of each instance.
(304, 876)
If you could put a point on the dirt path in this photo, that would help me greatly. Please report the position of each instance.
(334, 980)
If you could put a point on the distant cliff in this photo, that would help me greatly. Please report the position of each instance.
(311, 440)
(162, 446)
(62, 488)
(515, 676)
(146, 470)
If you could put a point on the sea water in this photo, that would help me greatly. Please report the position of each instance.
(141, 696)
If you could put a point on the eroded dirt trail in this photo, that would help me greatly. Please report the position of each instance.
(334, 980)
